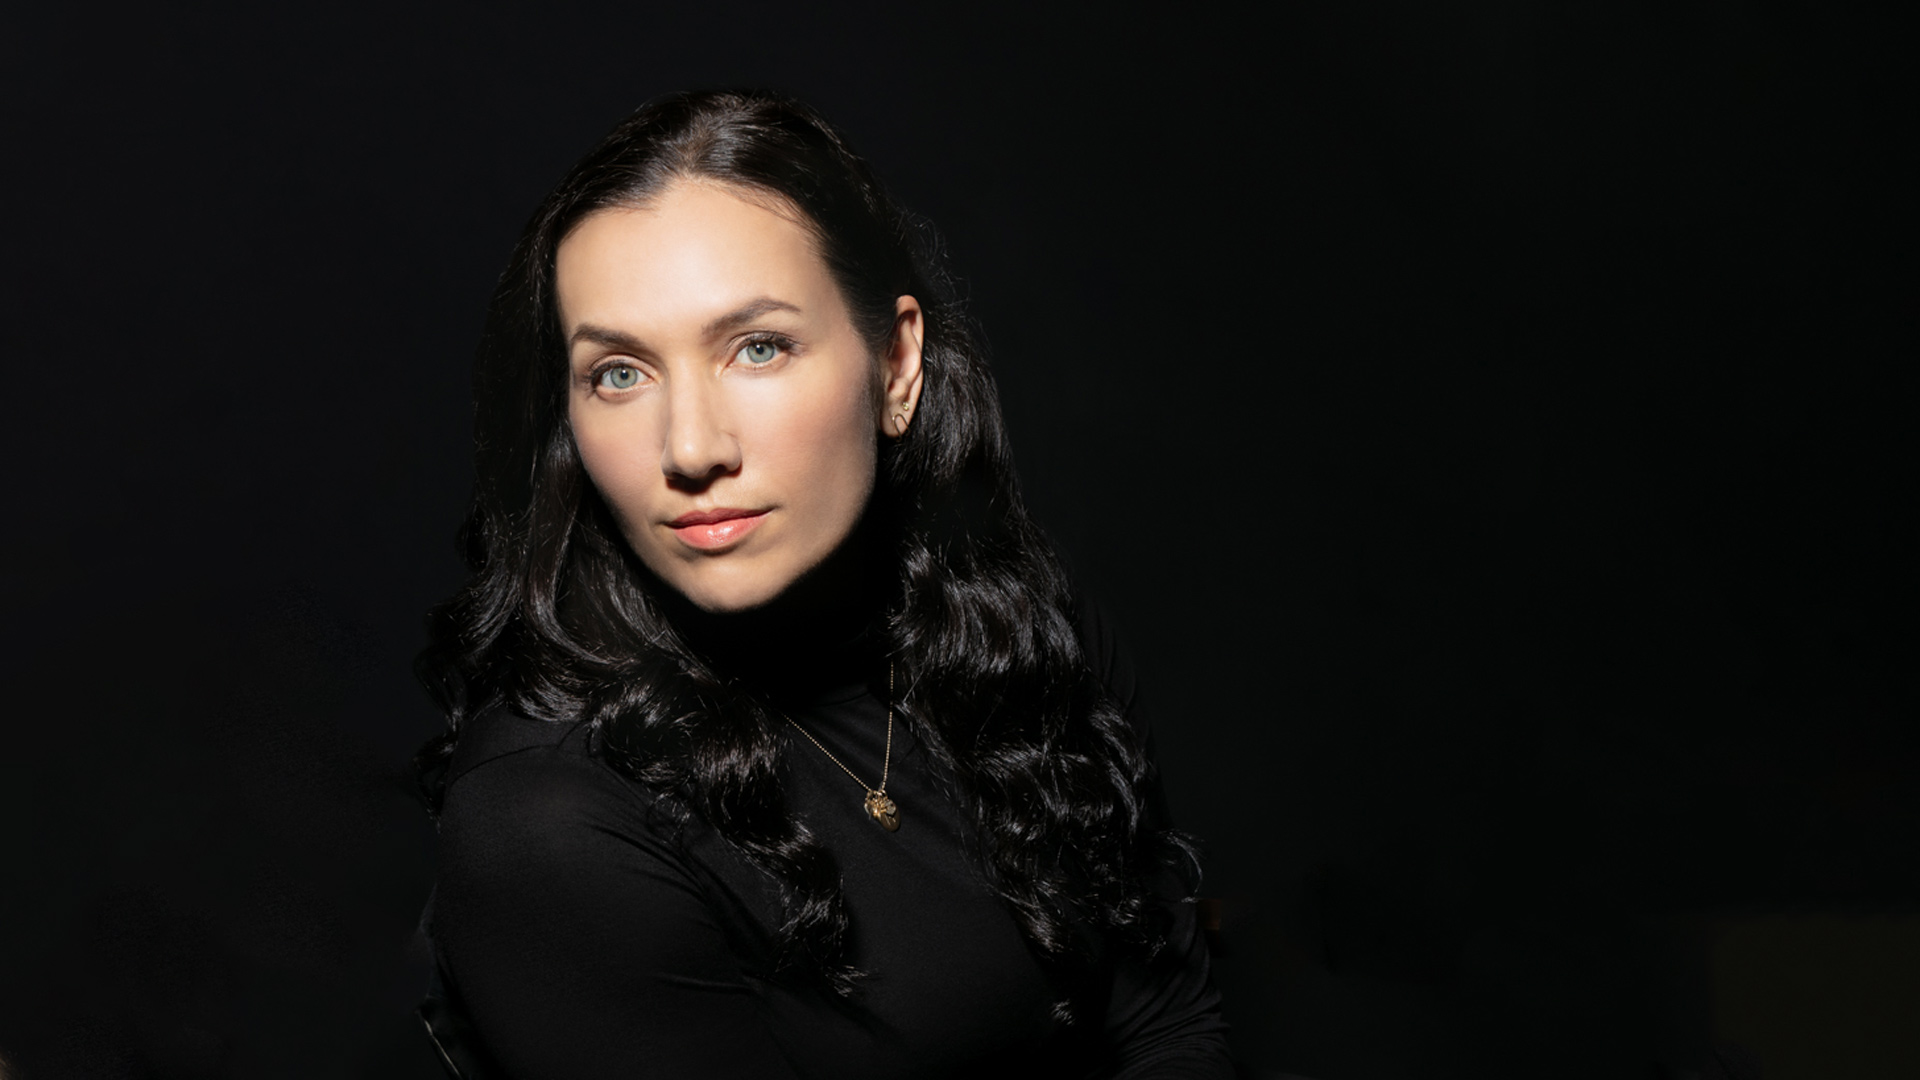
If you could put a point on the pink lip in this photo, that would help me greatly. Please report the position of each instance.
(711, 529)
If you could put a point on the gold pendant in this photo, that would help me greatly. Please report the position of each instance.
(883, 810)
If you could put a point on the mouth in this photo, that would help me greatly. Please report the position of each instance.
(710, 530)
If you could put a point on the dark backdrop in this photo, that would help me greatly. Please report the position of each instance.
(1490, 423)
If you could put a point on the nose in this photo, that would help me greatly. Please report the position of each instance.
(698, 448)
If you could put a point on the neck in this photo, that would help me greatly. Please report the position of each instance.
(818, 634)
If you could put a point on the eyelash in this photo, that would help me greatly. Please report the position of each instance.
(600, 372)
(781, 342)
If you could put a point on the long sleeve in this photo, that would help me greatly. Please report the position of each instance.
(1163, 1018)
(581, 946)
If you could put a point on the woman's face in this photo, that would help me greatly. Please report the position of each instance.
(722, 402)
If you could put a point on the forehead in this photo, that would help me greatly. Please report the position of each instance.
(695, 250)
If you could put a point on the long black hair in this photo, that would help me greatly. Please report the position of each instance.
(560, 621)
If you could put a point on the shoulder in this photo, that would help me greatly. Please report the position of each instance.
(580, 936)
(1105, 651)
(525, 798)
(540, 844)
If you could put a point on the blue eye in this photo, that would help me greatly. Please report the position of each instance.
(620, 378)
(757, 353)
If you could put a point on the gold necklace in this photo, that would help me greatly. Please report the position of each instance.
(880, 807)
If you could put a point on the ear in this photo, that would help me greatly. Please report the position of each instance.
(900, 367)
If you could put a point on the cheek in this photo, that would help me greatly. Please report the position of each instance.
(613, 457)
(826, 448)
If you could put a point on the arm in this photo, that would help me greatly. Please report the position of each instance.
(1163, 1019)
(578, 941)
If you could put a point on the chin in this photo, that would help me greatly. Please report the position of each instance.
(728, 603)
(728, 594)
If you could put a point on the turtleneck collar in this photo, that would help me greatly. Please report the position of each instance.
(820, 641)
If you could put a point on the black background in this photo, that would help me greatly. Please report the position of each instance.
(1490, 423)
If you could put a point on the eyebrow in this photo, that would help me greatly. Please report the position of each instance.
(744, 314)
(732, 320)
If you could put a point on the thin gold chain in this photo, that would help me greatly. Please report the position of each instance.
(886, 762)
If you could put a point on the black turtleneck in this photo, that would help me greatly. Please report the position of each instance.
(585, 934)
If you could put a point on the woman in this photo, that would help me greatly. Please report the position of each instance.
(777, 747)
